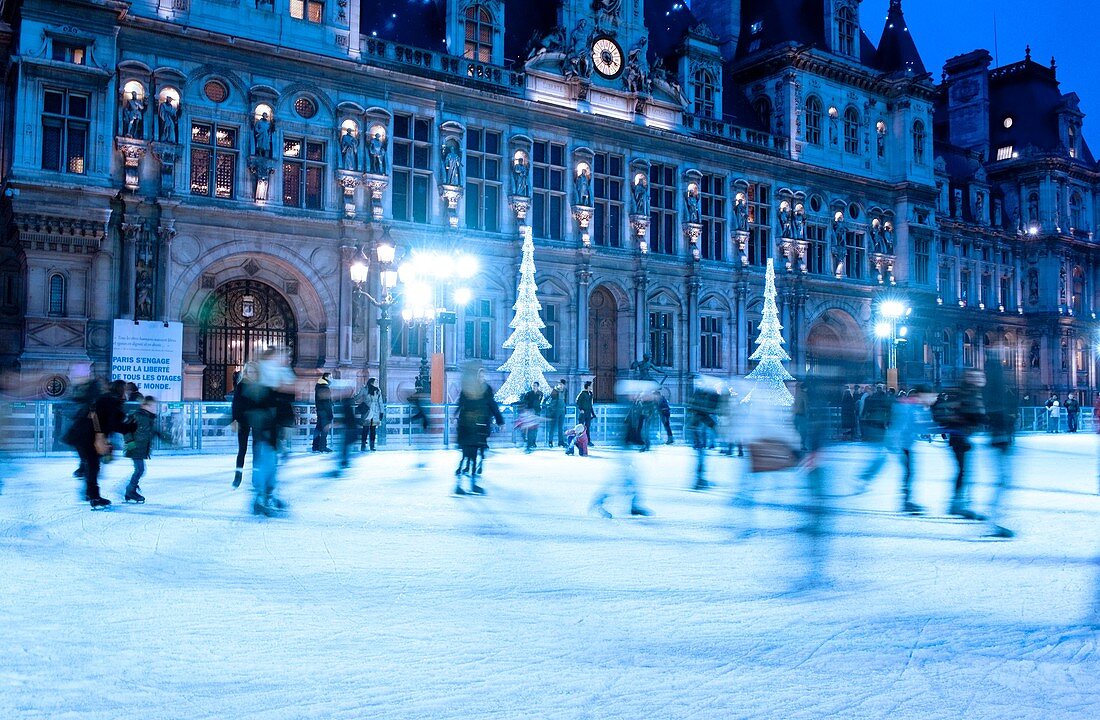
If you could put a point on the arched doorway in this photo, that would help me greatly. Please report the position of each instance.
(237, 322)
(603, 342)
(836, 338)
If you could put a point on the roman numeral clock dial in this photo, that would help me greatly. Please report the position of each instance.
(607, 57)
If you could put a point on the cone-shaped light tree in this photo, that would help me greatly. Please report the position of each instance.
(526, 365)
(769, 375)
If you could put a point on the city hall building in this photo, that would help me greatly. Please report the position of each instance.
(224, 163)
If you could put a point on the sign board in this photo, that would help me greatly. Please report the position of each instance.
(150, 355)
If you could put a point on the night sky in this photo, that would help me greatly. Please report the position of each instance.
(1063, 28)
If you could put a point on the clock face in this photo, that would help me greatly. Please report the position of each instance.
(607, 57)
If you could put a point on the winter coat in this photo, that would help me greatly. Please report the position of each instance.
(1002, 406)
(585, 411)
(908, 420)
(532, 401)
(664, 408)
(241, 403)
(555, 403)
(1073, 406)
(848, 411)
(474, 414)
(876, 416)
(966, 411)
(370, 407)
(1054, 408)
(322, 400)
(1096, 414)
(139, 443)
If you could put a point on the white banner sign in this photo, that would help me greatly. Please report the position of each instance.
(150, 355)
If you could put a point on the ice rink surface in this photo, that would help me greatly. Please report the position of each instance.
(381, 595)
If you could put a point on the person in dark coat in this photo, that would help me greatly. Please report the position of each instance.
(665, 411)
(530, 406)
(239, 412)
(95, 421)
(586, 412)
(701, 423)
(1001, 409)
(963, 416)
(555, 415)
(638, 393)
(139, 443)
(874, 421)
(371, 413)
(1073, 411)
(476, 408)
(847, 414)
(322, 401)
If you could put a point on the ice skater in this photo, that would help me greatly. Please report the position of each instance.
(239, 411)
(1001, 408)
(476, 409)
(909, 419)
(576, 439)
(139, 444)
(638, 393)
(962, 416)
(270, 395)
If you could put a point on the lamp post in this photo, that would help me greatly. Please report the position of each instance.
(890, 327)
(387, 281)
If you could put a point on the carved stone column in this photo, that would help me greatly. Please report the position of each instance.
(451, 194)
(641, 286)
(166, 154)
(692, 338)
(584, 282)
(261, 169)
(692, 233)
(520, 205)
(740, 292)
(130, 234)
(166, 233)
(741, 242)
(348, 255)
(582, 214)
(883, 266)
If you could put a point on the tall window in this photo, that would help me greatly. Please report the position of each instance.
(412, 168)
(608, 197)
(947, 292)
(64, 131)
(813, 120)
(964, 285)
(985, 289)
(57, 295)
(660, 339)
(710, 342)
(483, 159)
(551, 332)
(662, 209)
(713, 211)
(846, 29)
(703, 88)
(479, 330)
(851, 131)
(817, 251)
(763, 107)
(1006, 291)
(751, 328)
(303, 173)
(213, 160)
(968, 349)
(1077, 212)
(760, 223)
(918, 142)
(311, 10)
(855, 255)
(478, 26)
(408, 340)
(921, 259)
(548, 189)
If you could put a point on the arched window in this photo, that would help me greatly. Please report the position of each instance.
(968, 349)
(763, 107)
(947, 348)
(813, 120)
(846, 29)
(703, 89)
(57, 294)
(1082, 356)
(478, 24)
(918, 142)
(1077, 301)
(851, 131)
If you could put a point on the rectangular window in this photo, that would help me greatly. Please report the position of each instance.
(964, 285)
(311, 10)
(760, 224)
(855, 255)
(660, 339)
(412, 168)
(985, 289)
(662, 209)
(64, 131)
(608, 198)
(712, 207)
(483, 161)
(69, 52)
(408, 340)
(213, 160)
(944, 282)
(479, 330)
(817, 251)
(750, 341)
(921, 260)
(548, 190)
(551, 332)
(710, 342)
(1006, 291)
(303, 173)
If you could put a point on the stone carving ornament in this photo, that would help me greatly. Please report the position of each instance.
(520, 183)
(691, 204)
(452, 164)
(262, 128)
(786, 220)
(800, 222)
(639, 196)
(741, 213)
(577, 63)
(168, 113)
(552, 42)
(583, 188)
(607, 12)
(349, 150)
(636, 76)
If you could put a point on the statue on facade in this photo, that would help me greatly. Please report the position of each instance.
(1033, 355)
(582, 188)
(577, 63)
(552, 42)
(888, 239)
(607, 13)
(521, 185)
(998, 212)
(636, 76)
(979, 207)
(740, 213)
(376, 153)
(786, 220)
(1033, 210)
(169, 120)
(644, 369)
(639, 196)
(1062, 297)
(800, 222)
(957, 209)
(261, 135)
(1032, 286)
(452, 164)
(691, 204)
(349, 150)
(133, 116)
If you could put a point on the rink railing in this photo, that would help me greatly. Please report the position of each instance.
(35, 427)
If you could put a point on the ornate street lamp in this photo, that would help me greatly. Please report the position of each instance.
(890, 327)
(387, 281)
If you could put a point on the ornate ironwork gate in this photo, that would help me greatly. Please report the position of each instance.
(238, 322)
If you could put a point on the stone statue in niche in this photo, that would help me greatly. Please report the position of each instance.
(168, 113)
(998, 212)
(1033, 210)
(639, 197)
(376, 152)
(1062, 286)
(1033, 286)
(888, 239)
(786, 220)
(1033, 355)
(349, 150)
(577, 63)
(691, 204)
(741, 213)
(452, 164)
(521, 186)
(636, 76)
(957, 209)
(582, 188)
(607, 13)
(799, 222)
(834, 134)
(261, 135)
(133, 116)
(979, 207)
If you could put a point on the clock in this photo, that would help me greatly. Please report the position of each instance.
(607, 57)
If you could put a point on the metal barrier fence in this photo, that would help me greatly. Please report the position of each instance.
(35, 427)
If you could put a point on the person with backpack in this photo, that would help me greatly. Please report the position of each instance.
(139, 444)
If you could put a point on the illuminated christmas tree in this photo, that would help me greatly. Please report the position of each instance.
(769, 374)
(526, 365)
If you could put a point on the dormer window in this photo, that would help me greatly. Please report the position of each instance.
(478, 27)
(69, 52)
(1071, 136)
(846, 29)
(763, 107)
(1006, 153)
(704, 91)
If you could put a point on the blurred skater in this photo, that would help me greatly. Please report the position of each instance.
(530, 405)
(270, 395)
(638, 393)
(476, 409)
(701, 423)
(874, 421)
(555, 415)
(665, 411)
(322, 402)
(239, 410)
(909, 419)
(347, 420)
(139, 444)
(576, 439)
(1001, 408)
(963, 415)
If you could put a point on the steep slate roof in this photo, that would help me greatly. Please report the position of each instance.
(897, 52)
(797, 22)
